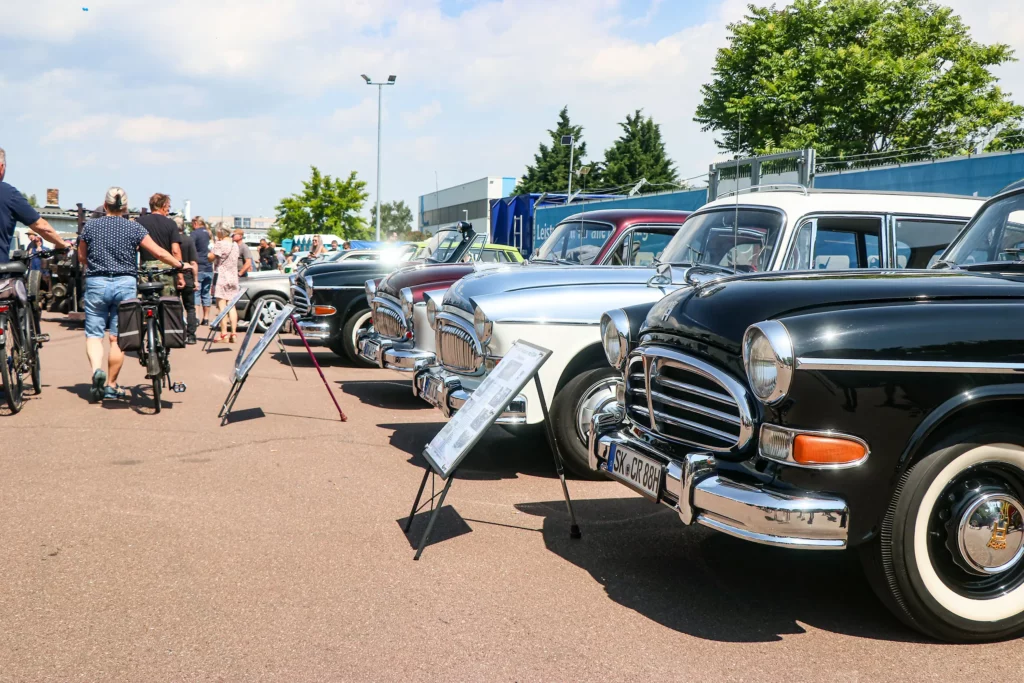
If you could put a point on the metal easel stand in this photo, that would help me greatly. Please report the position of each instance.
(434, 510)
(312, 357)
(280, 345)
(574, 528)
(229, 402)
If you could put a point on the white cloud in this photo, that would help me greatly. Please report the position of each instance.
(358, 116)
(78, 129)
(423, 115)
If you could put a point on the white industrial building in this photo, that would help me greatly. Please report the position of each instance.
(466, 202)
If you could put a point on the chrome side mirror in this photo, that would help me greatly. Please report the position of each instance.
(662, 276)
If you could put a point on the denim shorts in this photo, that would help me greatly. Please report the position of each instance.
(102, 295)
(204, 289)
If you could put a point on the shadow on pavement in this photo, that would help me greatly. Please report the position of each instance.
(142, 400)
(498, 455)
(244, 415)
(449, 524)
(709, 585)
(384, 393)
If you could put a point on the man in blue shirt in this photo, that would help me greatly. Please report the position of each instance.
(14, 209)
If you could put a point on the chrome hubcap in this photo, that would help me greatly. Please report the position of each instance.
(597, 398)
(270, 311)
(991, 535)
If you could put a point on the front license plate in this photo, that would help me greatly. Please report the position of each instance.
(368, 349)
(431, 390)
(635, 471)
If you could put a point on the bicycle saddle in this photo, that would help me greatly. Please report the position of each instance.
(14, 268)
(151, 287)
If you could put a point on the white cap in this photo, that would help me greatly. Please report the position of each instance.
(116, 198)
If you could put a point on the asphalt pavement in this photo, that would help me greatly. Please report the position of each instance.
(144, 547)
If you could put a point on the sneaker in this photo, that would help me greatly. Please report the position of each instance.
(99, 378)
(205, 323)
(113, 393)
(191, 339)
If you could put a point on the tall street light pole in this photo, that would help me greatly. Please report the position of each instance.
(380, 96)
(570, 142)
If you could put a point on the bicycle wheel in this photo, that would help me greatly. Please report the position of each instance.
(10, 372)
(157, 383)
(31, 329)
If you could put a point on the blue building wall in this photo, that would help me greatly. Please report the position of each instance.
(980, 176)
(545, 219)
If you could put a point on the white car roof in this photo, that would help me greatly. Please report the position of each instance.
(800, 202)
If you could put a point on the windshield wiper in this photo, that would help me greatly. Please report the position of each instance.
(941, 263)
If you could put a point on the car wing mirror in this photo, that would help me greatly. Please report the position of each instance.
(662, 276)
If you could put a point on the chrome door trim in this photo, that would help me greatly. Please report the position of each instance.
(937, 366)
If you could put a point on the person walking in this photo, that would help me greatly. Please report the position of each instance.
(224, 256)
(108, 248)
(188, 292)
(204, 283)
(165, 234)
(244, 253)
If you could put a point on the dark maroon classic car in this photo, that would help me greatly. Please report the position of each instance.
(402, 339)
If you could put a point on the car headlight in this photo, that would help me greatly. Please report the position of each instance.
(768, 360)
(405, 296)
(371, 291)
(615, 337)
(483, 327)
(431, 312)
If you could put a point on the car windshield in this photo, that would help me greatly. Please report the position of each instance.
(995, 235)
(708, 238)
(575, 242)
(441, 246)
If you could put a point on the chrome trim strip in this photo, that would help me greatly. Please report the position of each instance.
(696, 391)
(865, 365)
(363, 288)
(695, 408)
(577, 323)
(811, 432)
(694, 426)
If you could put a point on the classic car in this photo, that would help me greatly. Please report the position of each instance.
(402, 338)
(331, 295)
(560, 308)
(871, 410)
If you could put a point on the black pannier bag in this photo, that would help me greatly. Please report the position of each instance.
(129, 325)
(172, 322)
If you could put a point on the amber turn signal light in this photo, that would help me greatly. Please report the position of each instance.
(324, 310)
(810, 449)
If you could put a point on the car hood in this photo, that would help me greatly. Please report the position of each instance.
(570, 294)
(345, 273)
(424, 278)
(719, 312)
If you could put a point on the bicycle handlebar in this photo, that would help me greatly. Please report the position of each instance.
(24, 256)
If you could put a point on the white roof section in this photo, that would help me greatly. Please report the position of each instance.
(797, 202)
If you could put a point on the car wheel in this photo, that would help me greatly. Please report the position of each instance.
(272, 307)
(571, 410)
(949, 560)
(361, 321)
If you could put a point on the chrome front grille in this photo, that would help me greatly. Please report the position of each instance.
(388, 320)
(458, 349)
(300, 299)
(686, 400)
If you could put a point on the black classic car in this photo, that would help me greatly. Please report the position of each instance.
(877, 410)
(333, 300)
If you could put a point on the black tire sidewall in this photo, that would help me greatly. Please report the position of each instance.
(930, 616)
(563, 414)
(348, 339)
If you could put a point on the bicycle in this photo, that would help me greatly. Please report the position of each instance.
(20, 337)
(153, 355)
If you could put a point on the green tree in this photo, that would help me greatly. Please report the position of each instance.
(394, 217)
(853, 77)
(638, 153)
(550, 169)
(1010, 137)
(31, 199)
(326, 205)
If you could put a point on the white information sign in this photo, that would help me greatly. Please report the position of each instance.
(484, 406)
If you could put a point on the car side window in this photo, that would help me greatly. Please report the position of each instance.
(920, 242)
(491, 256)
(837, 243)
(646, 245)
(800, 253)
(477, 246)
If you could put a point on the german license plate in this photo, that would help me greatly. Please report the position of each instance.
(432, 390)
(634, 470)
(368, 349)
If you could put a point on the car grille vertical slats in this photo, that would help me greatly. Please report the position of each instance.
(686, 400)
(388, 322)
(457, 347)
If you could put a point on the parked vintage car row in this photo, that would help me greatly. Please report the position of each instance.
(806, 369)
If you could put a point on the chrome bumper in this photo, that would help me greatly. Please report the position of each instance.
(701, 494)
(384, 354)
(314, 331)
(447, 394)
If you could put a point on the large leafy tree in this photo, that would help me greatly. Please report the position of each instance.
(31, 199)
(325, 205)
(550, 169)
(853, 77)
(638, 153)
(394, 217)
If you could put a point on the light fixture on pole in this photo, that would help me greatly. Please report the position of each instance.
(570, 142)
(380, 91)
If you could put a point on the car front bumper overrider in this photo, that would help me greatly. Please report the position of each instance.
(316, 330)
(446, 393)
(703, 494)
(391, 355)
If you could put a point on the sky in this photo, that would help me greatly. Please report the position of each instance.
(228, 102)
